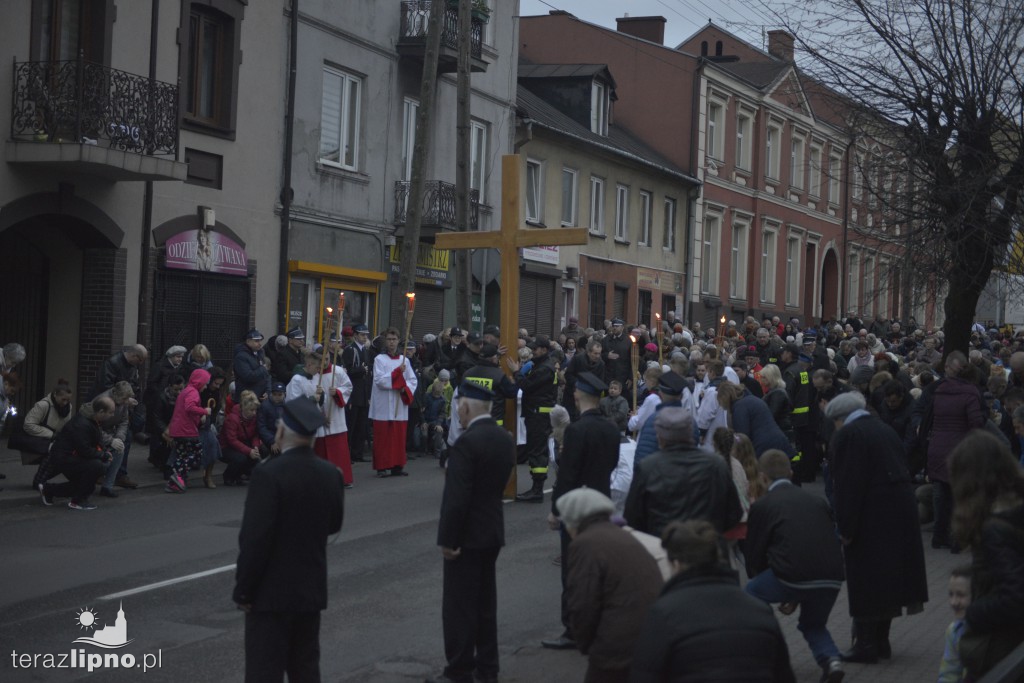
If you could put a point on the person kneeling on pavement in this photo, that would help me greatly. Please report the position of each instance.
(116, 436)
(240, 440)
(77, 453)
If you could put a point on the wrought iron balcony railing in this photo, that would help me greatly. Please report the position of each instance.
(415, 14)
(438, 205)
(82, 102)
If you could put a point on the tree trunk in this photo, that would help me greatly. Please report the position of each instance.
(463, 276)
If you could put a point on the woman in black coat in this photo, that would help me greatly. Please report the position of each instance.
(876, 516)
(703, 627)
(988, 489)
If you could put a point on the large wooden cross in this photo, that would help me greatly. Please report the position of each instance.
(513, 236)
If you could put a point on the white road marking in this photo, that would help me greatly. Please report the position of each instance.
(168, 582)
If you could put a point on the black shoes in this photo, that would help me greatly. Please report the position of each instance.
(534, 495)
(562, 642)
(861, 654)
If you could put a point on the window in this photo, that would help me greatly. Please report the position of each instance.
(792, 271)
(884, 275)
(771, 152)
(410, 111)
(796, 163)
(768, 267)
(533, 191)
(869, 285)
(743, 141)
(478, 155)
(709, 255)
(568, 303)
(570, 189)
(858, 178)
(715, 148)
(620, 295)
(815, 187)
(644, 306)
(209, 64)
(596, 305)
(853, 283)
(339, 119)
(599, 109)
(645, 218)
(738, 262)
(835, 165)
(596, 205)
(668, 242)
(621, 211)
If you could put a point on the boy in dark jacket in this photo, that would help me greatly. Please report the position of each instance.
(270, 412)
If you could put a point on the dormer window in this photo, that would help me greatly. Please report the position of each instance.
(599, 104)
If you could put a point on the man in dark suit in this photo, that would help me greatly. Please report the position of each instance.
(295, 502)
(793, 558)
(358, 361)
(590, 453)
(470, 533)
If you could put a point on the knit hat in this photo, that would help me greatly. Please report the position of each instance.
(578, 504)
(844, 404)
(176, 351)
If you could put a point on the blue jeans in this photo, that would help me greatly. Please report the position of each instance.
(815, 606)
(113, 469)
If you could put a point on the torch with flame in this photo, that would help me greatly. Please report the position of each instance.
(661, 339)
(634, 358)
(409, 309)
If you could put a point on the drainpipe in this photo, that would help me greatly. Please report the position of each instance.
(286, 184)
(693, 193)
(142, 332)
(843, 292)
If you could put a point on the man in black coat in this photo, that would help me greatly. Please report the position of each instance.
(250, 373)
(295, 502)
(590, 453)
(618, 358)
(487, 374)
(470, 533)
(76, 453)
(793, 558)
(289, 356)
(358, 361)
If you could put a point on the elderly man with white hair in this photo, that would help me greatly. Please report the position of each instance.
(612, 581)
(680, 481)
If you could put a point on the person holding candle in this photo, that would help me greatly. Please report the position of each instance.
(332, 438)
(394, 384)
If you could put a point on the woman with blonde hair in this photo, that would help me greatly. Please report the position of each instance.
(240, 440)
(776, 397)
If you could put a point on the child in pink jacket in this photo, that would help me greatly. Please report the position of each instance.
(184, 429)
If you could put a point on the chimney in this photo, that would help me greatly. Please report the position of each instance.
(780, 45)
(647, 28)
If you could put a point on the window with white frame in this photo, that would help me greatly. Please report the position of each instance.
(793, 271)
(534, 184)
(884, 274)
(869, 285)
(853, 282)
(340, 115)
(772, 145)
(621, 212)
(738, 261)
(709, 254)
(645, 218)
(478, 153)
(570, 196)
(814, 189)
(410, 109)
(668, 240)
(858, 178)
(599, 103)
(596, 205)
(743, 140)
(768, 238)
(797, 169)
(715, 146)
(835, 176)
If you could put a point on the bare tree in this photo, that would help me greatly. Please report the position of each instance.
(931, 92)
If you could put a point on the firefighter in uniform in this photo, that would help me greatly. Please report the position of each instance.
(539, 382)
(802, 393)
(487, 374)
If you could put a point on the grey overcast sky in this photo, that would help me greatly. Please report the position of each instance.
(747, 19)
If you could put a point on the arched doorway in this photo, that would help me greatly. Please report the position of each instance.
(63, 281)
(830, 286)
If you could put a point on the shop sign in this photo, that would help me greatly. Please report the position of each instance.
(658, 280)
(548, 255)
(206, 251)
(431, 263)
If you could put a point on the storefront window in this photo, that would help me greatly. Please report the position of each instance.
(360, 307)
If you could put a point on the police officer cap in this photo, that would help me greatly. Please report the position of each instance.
(672, 384)
(810, 335)
(492, 330)
(618, 321)
(296, 333)
(277, 387)
(488, 351)
(588, 383)
(254, 334)
(473, 338)
(470, 389)
(302, 416)
(540, 342)
(455, 332)
(410, 344)
(361, 329)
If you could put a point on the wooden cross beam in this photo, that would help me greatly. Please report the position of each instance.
(513, 236)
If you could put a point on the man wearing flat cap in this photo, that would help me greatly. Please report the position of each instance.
(295, 502)
(470, 533)
(618, 361)
(540, 392)
(288, 358)
(590, 452)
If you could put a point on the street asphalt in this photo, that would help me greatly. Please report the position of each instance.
(383, 624)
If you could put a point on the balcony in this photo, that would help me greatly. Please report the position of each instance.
(75, 116)
(412, 40)
(438, 208)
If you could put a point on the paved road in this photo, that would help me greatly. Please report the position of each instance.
(383, 624)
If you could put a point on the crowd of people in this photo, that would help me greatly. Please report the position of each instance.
(712, 432)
